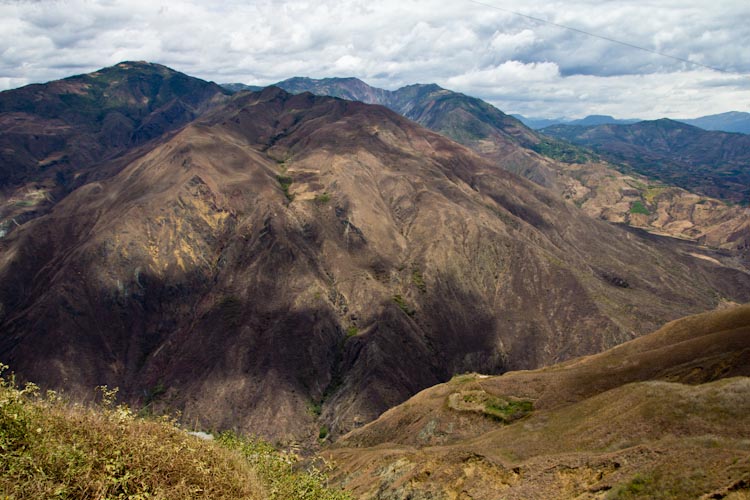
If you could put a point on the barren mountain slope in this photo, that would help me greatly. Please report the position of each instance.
(287, 262)
(596, 186)
(663, 416)
(56, 136)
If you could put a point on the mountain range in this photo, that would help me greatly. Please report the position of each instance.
(712, 163)
(603, 190)
(731, 121)
(287, 263)
(320, 269)
(540, 123)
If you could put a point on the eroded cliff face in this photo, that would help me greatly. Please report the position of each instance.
(287, 262)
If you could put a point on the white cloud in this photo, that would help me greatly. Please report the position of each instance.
(515, 62)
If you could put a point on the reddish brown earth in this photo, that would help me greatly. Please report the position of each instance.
(286, 262)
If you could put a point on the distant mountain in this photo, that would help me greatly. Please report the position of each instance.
(633, 422)
(573, 172)
(69, 124)
(467, 120)
(714, 163)
(733, 121)
(238, 87)
(540, 123)
(287, 263)
(600, 120)
(462, 118)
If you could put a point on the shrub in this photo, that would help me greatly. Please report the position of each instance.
(639, 208)
(401, 303)
(285, 181)
(50, 448)
(322, 198)
(418, 280)
(281, 473)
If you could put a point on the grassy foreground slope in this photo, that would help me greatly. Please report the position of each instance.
(52, 449)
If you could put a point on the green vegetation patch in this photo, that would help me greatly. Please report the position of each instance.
(323, 198)
(637, 487)
(401, 303)
(506, 411)
(285, 182)
(352, 331)
(418, 280)
(638, 207)
(501, 409)
(563, 151)
(281, 472)
(315, 408)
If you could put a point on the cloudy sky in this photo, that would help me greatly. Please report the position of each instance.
(518, 64)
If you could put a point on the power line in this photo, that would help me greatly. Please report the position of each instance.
(601, 37)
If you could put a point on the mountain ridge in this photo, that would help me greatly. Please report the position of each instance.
(576, 174)
(709, 162)
(54, 137)
(285, 262)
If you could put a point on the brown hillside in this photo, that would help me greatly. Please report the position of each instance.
(288, 262)
(597, 187)
(662, 416)
(57, 136)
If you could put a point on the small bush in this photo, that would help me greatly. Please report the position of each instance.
(281, 473)
(352, 331)
(399, 300)
(639, 208)
(418, 280)
(322, 198)
(315, 408)
(285, 182)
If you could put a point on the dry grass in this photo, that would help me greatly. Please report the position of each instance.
(52, 449)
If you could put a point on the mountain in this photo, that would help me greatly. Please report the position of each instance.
(460, 117)
(600, 120)
(53, 137)
(285, 264)
(239, 87)
(540, 123)
(712, 163)
(576, 174)
(662, 416)
(733, 121)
